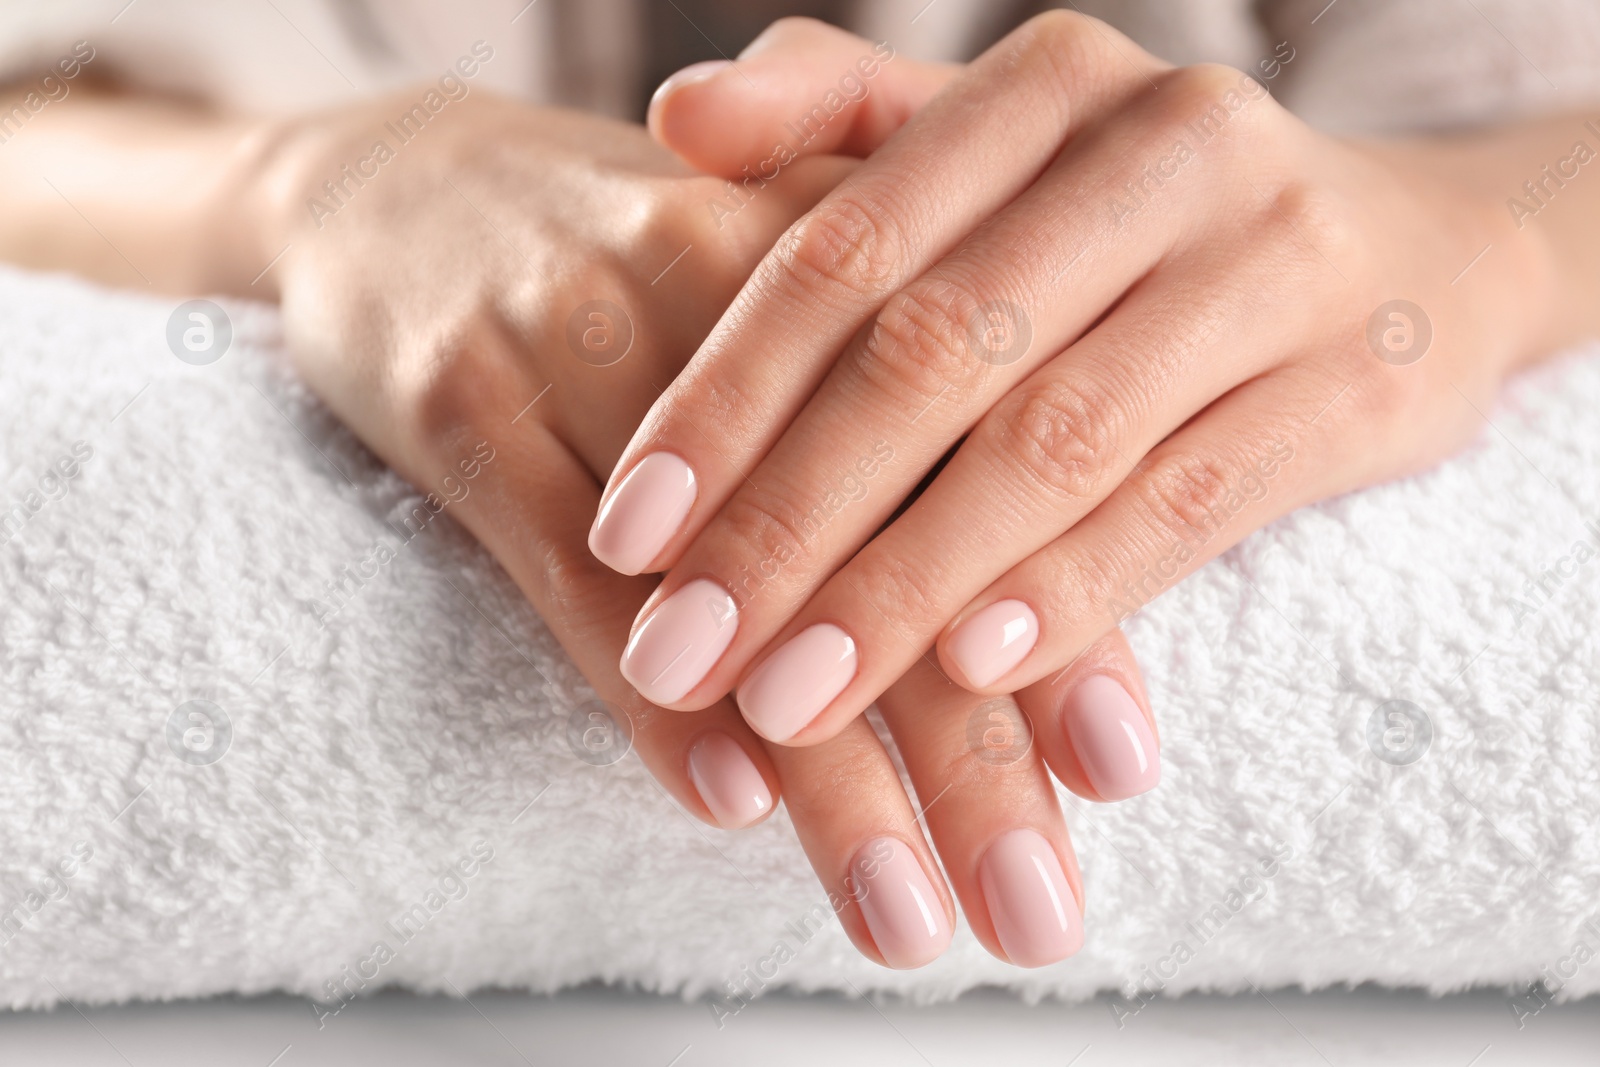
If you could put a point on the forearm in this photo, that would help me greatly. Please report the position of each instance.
(140, 191)
(136, 191)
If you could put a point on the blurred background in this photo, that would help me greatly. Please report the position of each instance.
(1356, 66)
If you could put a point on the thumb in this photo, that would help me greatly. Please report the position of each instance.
(802, 88)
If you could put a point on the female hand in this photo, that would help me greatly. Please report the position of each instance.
(441, 299)
(532, 280)
(1141, 310)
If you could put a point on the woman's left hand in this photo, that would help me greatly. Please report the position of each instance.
(1142, 310)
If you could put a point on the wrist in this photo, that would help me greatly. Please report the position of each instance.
(1518, 279)
(244, 224)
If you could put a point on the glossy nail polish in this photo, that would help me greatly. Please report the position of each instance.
(1034, 913)
(728, 782)
(994, 640)
(694, 72)
(903, 913)
(796, 682)
(1112, 738)
(647, 509)
(680, 642)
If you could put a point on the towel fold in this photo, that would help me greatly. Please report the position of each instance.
(267, 725)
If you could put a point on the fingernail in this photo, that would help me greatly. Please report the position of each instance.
(798, 681)
(643, 514)
(1034, 912)
(903, 913)
(680, 642)
(694, 72)
(993, 641)
(728, 782)
(1112, 738)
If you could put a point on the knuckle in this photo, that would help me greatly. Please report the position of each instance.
(1059, 33)
(1315, 222)
(568, 581)
(1063, 435)
(970, 765)
(1205, 82)
(663, 219)
(1086, 584)
(1213, 102)
(1074, 50)
(1187, 493)
(446, 391)
(901, 589)
(767, 528)
(1055, 29)
(917, 347)
(792, 28)
(714, 399)
(843, 249)
(1376, 400)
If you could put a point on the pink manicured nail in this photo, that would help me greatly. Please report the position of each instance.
(993, 641)
(1112, 738)
(903, 912)
(727, 781)
(1034, 912)
(680, 642)
(694, 72)
(798, 681)
(643, 514)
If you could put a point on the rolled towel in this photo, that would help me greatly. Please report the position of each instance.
(272, 720)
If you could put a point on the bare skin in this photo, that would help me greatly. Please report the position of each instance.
(433, 306)
(1207, 285)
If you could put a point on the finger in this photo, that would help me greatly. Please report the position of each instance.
(709, 762)
(670, 656)
(861, 835)
(1042, 457)
(1242, 463)
(993, 814)
(1048, 452)
(611, 396)
(803, 87)
(1093, 723)
(836, 266)
(845, 799)
(749, 217)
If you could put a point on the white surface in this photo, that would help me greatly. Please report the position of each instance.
(600, 1027)
(431, 715)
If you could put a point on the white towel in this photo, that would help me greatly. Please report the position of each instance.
(394, 797)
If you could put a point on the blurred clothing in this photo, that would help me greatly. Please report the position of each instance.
(1357, 66)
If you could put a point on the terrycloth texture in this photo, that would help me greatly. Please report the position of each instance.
(424, 722)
